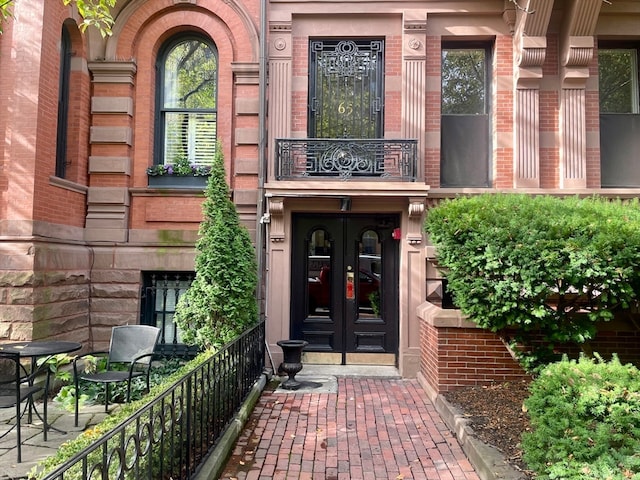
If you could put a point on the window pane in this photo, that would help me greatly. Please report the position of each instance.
(190, 76)
(463, 81)
(618, 72)
(319, 274)
(346, 88)
(190, 135)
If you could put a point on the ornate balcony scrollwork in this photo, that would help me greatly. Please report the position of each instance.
(346, 159)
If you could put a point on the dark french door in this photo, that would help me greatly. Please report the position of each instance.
(345, 287)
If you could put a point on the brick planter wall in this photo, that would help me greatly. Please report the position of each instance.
(456, 353)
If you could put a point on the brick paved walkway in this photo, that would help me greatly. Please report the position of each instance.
(372, 429)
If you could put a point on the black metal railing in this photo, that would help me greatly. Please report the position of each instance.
(346, 159)
(170, 436)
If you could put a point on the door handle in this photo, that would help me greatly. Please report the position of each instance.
(350, 285)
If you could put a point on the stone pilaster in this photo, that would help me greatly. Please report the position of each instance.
(414, 58)
(577, 50)
(280, 85)
(530, 44)
(107, 216)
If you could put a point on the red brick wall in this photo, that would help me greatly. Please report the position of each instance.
(456, 357)
(462, 355)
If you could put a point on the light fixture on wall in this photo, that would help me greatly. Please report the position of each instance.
(345, 204)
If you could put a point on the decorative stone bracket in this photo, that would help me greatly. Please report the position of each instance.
(416, 211)
(276, 219)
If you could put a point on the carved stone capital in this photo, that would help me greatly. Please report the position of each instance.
(578, 52)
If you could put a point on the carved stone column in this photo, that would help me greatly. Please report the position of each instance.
(107, 216)
(414, 57)
(573, 167)
(280, 85)
(577, 49)
(530, 42)
(527, 112)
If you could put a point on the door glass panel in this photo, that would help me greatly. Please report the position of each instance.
(318, 273)
(370, 275)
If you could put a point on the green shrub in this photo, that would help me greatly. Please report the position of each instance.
(93, 393)
(538, 267)
(585, 419)
(221, 302)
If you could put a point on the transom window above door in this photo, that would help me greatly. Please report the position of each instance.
(346, 88)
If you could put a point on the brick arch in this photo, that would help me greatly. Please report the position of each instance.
(148, 43)
(216, 18)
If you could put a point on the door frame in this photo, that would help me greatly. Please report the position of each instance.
(357, 339)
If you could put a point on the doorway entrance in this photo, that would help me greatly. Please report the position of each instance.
(344, 288)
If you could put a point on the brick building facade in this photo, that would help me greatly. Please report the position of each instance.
(341, 124)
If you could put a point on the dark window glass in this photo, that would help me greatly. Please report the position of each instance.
(465, 146)
(618, 72)
(346, 88)
(160, 294)
(63, 103)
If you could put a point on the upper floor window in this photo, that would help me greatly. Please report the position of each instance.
(63, 103)
(619, 114)
(618, 72)
(465, 134)
(186, 101)
(346, 88)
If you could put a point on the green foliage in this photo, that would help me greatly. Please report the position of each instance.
(182, 167)
(522, 265)
(96, 13)
(585, 418)
(5, 11)
(221, 302)
(93, 393)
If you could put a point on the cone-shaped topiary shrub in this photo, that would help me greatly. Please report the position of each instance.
(221, 301)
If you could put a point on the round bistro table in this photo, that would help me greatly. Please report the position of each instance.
(35, 350)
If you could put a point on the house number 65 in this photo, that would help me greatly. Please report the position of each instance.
(342, 109)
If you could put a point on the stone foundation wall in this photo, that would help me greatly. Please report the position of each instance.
(77, 292)
(44, 291)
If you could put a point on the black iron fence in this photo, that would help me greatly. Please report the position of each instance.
(169, 437)
(364, 159)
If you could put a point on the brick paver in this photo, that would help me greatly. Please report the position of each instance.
(372, 429)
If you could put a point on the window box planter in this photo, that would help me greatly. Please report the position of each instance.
(178, 181)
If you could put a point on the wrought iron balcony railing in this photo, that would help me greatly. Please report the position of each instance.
(346, 159)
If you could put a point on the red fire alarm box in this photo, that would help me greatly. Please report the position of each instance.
(396, 234)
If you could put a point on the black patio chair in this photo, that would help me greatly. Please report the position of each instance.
(16, 391)
(131, 347)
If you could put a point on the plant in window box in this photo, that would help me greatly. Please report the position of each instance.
(182, 174)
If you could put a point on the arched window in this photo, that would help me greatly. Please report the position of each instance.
(186, 102)
(63, 103)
